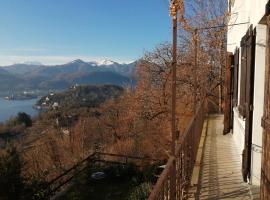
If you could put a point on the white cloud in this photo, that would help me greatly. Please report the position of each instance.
(55, 60)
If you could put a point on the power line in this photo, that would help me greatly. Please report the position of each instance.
(212, 27)
(222, 26)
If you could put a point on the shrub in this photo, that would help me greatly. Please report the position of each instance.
(35, 189)
(23, 118)
(141, 192)
(12, 183)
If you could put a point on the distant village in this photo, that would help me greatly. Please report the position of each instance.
(46, 103)
(25, 95)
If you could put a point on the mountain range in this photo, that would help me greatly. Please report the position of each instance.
(35, 76)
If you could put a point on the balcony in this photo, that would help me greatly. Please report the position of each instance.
(216, 169)
(220, 169)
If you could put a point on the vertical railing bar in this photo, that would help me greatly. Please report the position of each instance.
(181, 174)
(167, 191)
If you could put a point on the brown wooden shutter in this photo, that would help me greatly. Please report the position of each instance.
(265, 175)
(228, 94)
(243, 76)
(250, 68)
(235, 79)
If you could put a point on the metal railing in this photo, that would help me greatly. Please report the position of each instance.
(59, 182)
(184, 160)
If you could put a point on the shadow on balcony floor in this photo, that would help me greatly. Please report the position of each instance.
(220, 174)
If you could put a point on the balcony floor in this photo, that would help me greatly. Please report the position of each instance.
(220, 173)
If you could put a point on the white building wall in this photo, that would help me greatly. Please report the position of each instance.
(239, 14)
(243, 11)
(258, 103)
(250, 12)
(238, 132)
(257, 10)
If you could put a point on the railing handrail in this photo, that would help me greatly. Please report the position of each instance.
(92, 157)
(189, 127)
(127, 156)
(165, 175)
(78, 167)
(72, 168)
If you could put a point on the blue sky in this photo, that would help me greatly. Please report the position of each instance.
(58, 31)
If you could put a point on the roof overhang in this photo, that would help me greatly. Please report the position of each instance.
(267, 13)
(267, 8)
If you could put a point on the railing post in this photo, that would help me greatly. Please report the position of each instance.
(173, 125)
(173, 181)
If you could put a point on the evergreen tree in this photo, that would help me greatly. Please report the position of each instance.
(11, 181)
(25, 119)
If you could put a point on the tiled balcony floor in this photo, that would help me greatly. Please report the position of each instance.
(220, 173)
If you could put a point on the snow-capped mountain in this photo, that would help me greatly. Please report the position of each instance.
(77, 71)
(106, 63)
(78, 65)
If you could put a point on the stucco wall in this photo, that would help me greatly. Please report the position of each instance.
(257, 10)
(258, 102)
(238, 132)
(250, 11)
(243, 11)
(239, 14)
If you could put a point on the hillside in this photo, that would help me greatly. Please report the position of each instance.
(22, 69)
(9, 81)
(80, 96)
(66, 80)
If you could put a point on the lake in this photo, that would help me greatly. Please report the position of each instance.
(11, 108)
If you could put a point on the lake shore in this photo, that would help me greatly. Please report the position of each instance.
(10, 108)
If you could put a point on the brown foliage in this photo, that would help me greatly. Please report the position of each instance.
(138, 122)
